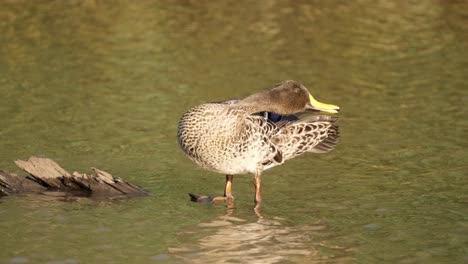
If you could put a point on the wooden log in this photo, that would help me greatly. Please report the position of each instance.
(46, 171)
(13, 184)
(46, 176)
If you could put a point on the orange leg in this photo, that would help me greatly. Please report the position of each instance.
(227, 194)
(228, 188)
(258, 195)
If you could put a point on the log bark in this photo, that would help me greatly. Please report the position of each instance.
(46, 175)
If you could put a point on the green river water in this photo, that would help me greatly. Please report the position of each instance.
(104, 83)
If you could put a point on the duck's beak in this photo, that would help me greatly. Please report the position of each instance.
(316, 105)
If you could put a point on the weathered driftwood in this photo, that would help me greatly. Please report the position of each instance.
(46, 175)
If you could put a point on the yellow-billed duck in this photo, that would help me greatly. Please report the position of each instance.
(256, 133)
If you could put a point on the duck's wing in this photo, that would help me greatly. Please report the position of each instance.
(309, 133)
(292, 136)
(261, 130)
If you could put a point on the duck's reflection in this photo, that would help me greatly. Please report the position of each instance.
(229, 239)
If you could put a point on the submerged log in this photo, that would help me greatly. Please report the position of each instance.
(46, 175)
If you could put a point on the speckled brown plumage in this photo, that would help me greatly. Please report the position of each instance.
(231, 137)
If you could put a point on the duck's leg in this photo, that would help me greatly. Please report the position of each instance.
(227, 193)
(258, 195)
(228, 188)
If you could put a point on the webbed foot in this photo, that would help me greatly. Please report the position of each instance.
(210, 199)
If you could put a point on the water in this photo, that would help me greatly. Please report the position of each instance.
(92, 83)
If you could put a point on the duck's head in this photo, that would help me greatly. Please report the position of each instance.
(290, 97)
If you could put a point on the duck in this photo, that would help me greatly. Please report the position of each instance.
(256, 133)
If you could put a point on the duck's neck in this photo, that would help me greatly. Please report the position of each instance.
(260, 102)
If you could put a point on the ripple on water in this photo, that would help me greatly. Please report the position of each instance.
(263, 241)
(19, 260)
(66, 261)
(160, 257)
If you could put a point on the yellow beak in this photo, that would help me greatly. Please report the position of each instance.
(316, 105)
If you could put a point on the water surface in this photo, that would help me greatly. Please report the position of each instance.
(94, 83)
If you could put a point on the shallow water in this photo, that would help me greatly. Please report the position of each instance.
(92, 83)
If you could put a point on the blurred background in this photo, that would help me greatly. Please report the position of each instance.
(104, 83)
